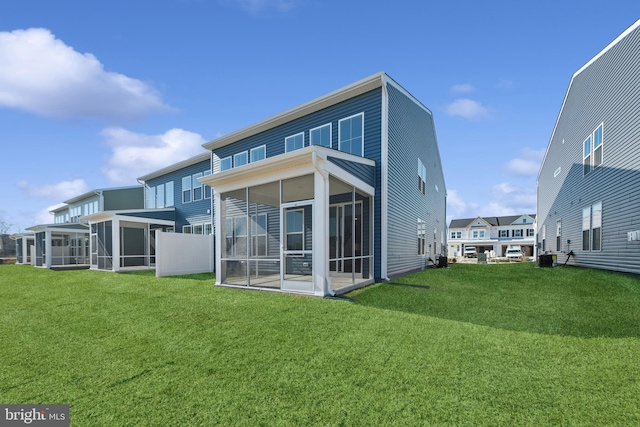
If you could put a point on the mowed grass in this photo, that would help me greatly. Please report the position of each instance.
(481, 345)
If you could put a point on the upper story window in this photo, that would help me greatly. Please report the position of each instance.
(597, 146)
(517, 233)
(186, 189)
(160, 196)
(531, 232)
(503, 233)
(294, 142)
(478, 234)
(258, 153)
(456, 234)
(586, 228)
(586, 155)
(197, 186)
(321, 135)
(592, 150)
(422, 177)
(225, 164)
(240, 159)
(351, 134)
(596, 227)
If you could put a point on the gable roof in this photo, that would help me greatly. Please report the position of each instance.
(495, 221)
(351, 91)
(176, 166)
(628, 31)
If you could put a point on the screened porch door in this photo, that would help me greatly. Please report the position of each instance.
(297, 246)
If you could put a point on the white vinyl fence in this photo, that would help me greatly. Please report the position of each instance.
(180, 253)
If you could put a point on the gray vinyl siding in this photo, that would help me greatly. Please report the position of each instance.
(369, 103)
(123, 198)
(608, 92)
(412, 136)
(166, 215)
(191, 213)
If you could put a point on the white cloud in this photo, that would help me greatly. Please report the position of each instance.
(43, 75)
(135, 154)
(502, 199)
(463, 88)
(467, 108)
(44, 216)
(528, 164)
(255, 6)
(61, 191)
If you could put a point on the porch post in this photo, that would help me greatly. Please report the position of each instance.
(48, 248)
(219, 215)
(115, 244)
(321, 234)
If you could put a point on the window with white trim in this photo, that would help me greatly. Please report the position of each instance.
(503, 233)
(160, 196)
(478, 234)
(321, 135)
(198, 229)
(258, 153)
(586, 155)
(186, 229)
(456, 234)
(259, 235)
(586, 228)
(208, 229)
(294, 142)
(186, 189)
(592, 150)
(422, 238)
(422, 177)
(531, 232)
(597, 146)
(544, 236)
(197, 186)
(516, 233)
(240, 159)
(225, 163)
(558, 236)
(596, 227)
(351, 134)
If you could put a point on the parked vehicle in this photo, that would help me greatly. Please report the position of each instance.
(514, 254)
(470, 252)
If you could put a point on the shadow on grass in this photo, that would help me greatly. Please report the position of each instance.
(568, 302)
(151, 273)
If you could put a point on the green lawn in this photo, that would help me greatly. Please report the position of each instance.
(468, 345)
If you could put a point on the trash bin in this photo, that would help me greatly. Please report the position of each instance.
(443, 261)
(482, 258)
(545, 260)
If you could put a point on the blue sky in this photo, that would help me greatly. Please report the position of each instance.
(95, 94)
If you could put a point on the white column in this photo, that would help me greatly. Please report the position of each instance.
(115, 246)
(321, 235)
(48, 248)
(219, 215)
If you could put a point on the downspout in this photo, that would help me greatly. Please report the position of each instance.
(325, 178)
(384, 176)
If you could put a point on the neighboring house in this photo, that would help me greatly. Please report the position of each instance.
(65, 243)
(24, 242)
(337, 193)
(174, 201)
(588, 198)
(493, 234)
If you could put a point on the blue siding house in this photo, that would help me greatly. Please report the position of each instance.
(337, 193)
(174, 201)
(588, 199)
(65, 243)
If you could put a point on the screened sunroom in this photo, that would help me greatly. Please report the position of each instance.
(125, 240)
(296, 222)
(61, 245)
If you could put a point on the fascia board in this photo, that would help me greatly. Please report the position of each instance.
(335, 97)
